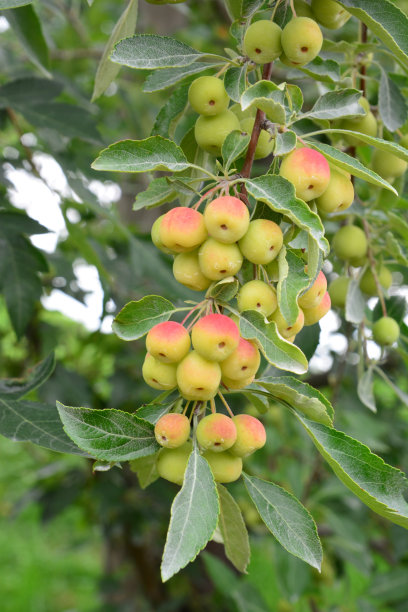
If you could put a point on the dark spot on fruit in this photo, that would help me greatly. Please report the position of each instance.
(221, 344)
(211, 102)
(244, 368)
(154, 380)
(199, 388)
(304, 49)
(289, 328)
(258, 304)
(164, 438)
(223, 271)
(217, 443)
(258, 50)
(162, 354)
(310, 186)
(271, 248)
(223, 226)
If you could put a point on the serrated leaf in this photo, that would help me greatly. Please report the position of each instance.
(260, 402)
(335, 104)
(301, 396)
(277, 351)
(194, 517)
(173, 108)
(137, 318)
(15, 388)
(391, 103)
(235, 81)
(108, 434)
(145, 469)
(224, 290)
(152, 412)
(249, 7)
(27, 27)
(379, 143)
(325, 70)
(167, 77)
(159, 191)
(365, 390)
(375, 483)
(292, 281)
(268, 97)
(154, 153)
(234, 146)
(10, 4)
(14, 93)
(355, 302)
(284, 143)
(287, 519)
(279, 194)
(107, 70)
(233, 530)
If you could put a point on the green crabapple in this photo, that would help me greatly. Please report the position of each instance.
(216, 432)
(313, 315)
(262, 41)
(251, 435)
(198, 378)
(350, 242)
(257, 295)
(339, 194)
(243, 363)
(314, 294)
(159, 375)
(338, 289)
(207, 96)
(215, 337)
(236, 383)
(262, 242)
(172, 462)
(309, 172)
(388, 165)
(330, 14)
(210, 132)
(168, 342)
(224, 466)
(266, 142)
(386, 331)
(218, 260)
(187, 271)
(367, 281)
(365, 125)
(182, 229)
(172, 430)
(226, 219)
(301, 40)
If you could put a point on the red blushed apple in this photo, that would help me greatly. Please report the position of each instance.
(216, 432)
(226, 219)
(168, 342)
(215, 337)
(251, 435)
(182, 229)
(313, 315)
(309, 172)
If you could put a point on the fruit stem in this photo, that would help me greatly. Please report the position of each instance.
(190, 312)
(373, 269)
(292, 6)
(212, 404)
(224, 401)
(195, 319)
(363, 68)
(193, 411)
(205, 196)
(186, 408)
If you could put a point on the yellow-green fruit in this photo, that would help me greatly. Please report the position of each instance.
(224, 466)
(301, 40)
(388, 165)
(365, 125)
(302, 9)
(251, 435)
(330, 14)
(308, 171)
(285, 330)
(172, 430)
(338, 291)
(367, 282)
(350, 242)
(262, 41)
(386, 331)
(246, 114)
(216, 432)
(155, 235)
(210, 132)
(257, 295)
(182, 229)
(218, 260)
(313, 296)
(187, 271)
(313, 315)
(207, 95)
(339, 194)
(215, 337)
(262, 242)
(172, 462)
(265, 143)
(168, 342)
(198, 378)
(242, 364)
(241, 383)
(226, 219)
(159, 375)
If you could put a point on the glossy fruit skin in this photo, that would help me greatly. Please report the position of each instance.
(339, 194)
(215, 337)
(330, 14)
(155, 235)
(232, 383)
(262, 41)
(198, 378)
(243, 363)
(210, 132)
(207, 96)
(187, 271)
(168, 342)
(159, 375)
(266, 142)
(262, 242)
(309, 172)
(367, 281)
(224, 466)
(350, 242)
(182, 229)
(301, 40)
(216, 432)
(313, 315)
(285, 330)
(387, 165)
(257, 295)
(248, 113)
(314, 295)
(172, 430)
(218, 260)
(226, 219)
(386, 331)
(338, 291)
(366, 124)
(172, 462)
(251, 435)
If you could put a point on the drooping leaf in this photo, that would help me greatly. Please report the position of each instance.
(365, 390)
(27, 27)
(292, 281)
(137, 318)
(235, 81)
(173, 108)
(167, 77)
(355, 303)
(224, 290)
(66, 119)
(335, 104)
(391, 103)
(233, 530)
(14, 93)
(326, 70)
(108, 434)
(159, 191)
(145, 469)
(15, 388)
(234, 146)
(268, 97)
(284, 143)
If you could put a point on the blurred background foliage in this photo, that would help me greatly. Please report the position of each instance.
(76, 540)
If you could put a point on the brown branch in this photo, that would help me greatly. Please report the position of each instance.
(363, 67)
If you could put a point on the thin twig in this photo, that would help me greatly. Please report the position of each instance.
(28, 153)
(373, 269)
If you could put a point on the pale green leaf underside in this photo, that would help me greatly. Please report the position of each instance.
(266, 96)
(233, 530)
(292, 281)
(167, 77)
(137, 318)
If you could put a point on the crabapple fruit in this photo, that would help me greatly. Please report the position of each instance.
(314, 294)
(313, 315)
(301, 40)
(350, 242)
(239, 383)
(218, 260)
(224, 466)
(339, 194)
(168, 342)
(257, 295)
(366, 124)
(302, 9)
(330, 14)
(210, 132)
(266, 142)
(216, 432)
(226, 219)
(285, 330)
(388, 165)
(155, 235)
(309, 172)
(187, 271)
(172, 462)
(215, 337)
(386, 331)
(243, 363)
(159, 375)
(251, 435)
(262, 242)
(172, 430)
(198, 378)
(262, 41)
(182, 229)
(367, 281)
(207, 96)
(338, 291)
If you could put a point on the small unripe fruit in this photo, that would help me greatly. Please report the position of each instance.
(339, 194)
(388, 165)
(224, 466)
(314, 295)
(172, 462)
(159, 375)
(257, 295)
(247, 113)
(265, 142)
(330, 14)
(210, 132)
(262, 41)
(218, 260)
(313, 315)
(187, 271)
(168, 342)
(367, 281)
(309, 172)
(251, 435)
(207, 96)
(243, 363)
(216, 432)
(155, 235)
(285, 330)
(301, 40)
(241, 383)
(182, 229)
(350, 242)
(262, 242)
(172, 430)
(338, 291)
(365, 125)
(386, 331)
(226, 219)
(198, 378)
(302, 9)
(215, 337)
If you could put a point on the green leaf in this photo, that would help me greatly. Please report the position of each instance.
(334, 104)
(69, 120)
(378, 143)
(355, 303)
(394, 247)
(13, 222)
(173, 108)
(287, 519)
(233, 530)
(27, 28)
(15, 388)
(233, 8)
(385, 20)
(152, 412)
(292, 281)
(137, 318)
(249, 7)
(391, 103)
(167, 77)
(268, 97)
(159, 191)
(10, 4)
(235, 81)
(284, 143)
(224, 290)
(145, 469)
(234, 146)
(376, 483)
(24, 421)
(14, 93)
(154, 153)
(301, 396)
(107, 70)
(389, 587)
(327, 71)
(260, 402)
(194, 517)
(365, 390)
(108, 434)
(277, 351)
(279, 194)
